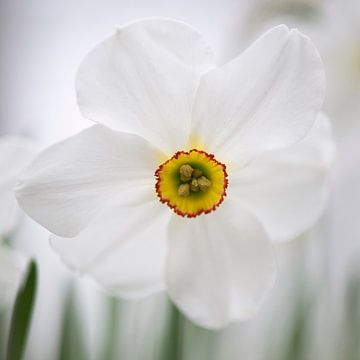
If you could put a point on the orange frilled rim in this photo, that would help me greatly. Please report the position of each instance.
(168, 181)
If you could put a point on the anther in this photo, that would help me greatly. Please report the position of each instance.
(185, 172)
(184, 190)
(194, 185)
(204, 183)
(197, 173)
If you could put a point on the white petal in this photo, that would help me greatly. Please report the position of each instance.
(12, 269)
(124, 249)
(8, 209)
(266, 98)
(220, 266)
(143, 80)
(15, 154)
(287, 189)
(73, 180)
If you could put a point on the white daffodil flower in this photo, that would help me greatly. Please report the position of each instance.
(15, 154)
(339, 47)
(193, 171)
(12, 269)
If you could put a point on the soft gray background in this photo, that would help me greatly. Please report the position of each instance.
(41, 44)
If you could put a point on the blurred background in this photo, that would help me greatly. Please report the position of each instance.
(314, 310)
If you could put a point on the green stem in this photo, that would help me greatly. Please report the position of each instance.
(352, 317)
(2, 332)
(112, 321)
(71, 345)
(174, 340)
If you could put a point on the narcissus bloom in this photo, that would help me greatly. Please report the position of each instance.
(339, 46)
(15, 154)
(193, 171)
(13, 265)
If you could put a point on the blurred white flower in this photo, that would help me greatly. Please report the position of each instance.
(12, 269)
(15, 154)
(165, 109)
(300, 6)
(335, 29)
(340, 49)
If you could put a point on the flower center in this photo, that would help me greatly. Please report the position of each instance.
(191, 183)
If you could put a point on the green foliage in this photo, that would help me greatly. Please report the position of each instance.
(352, 318)
(21, 316)
(2, 332)
(298, 336)
(112, 331)
(71, 345)
(173, 344)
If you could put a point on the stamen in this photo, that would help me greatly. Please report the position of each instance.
(197, 180)
(204, 183)
(185, 172)
(194, 185)
(197, 173)
(184, 190)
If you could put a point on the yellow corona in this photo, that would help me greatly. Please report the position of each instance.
(191, 183)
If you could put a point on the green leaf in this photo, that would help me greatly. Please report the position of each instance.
(71, 346)
(352, 317)
(200, 343)
(174, 337)
(184, 339)
(2, 332)
(113, 307)
(298, 335)
(21, 315)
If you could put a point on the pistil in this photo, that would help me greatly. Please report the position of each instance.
(197, 173)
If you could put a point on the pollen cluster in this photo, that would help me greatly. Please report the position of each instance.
(192, 180)
(191, 183)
